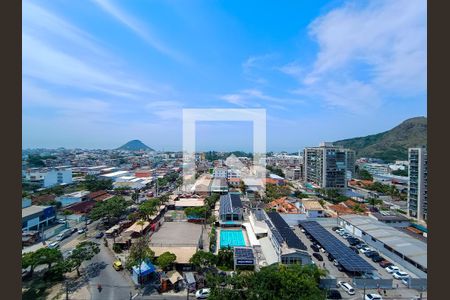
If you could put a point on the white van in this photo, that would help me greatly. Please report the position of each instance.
(348, 288)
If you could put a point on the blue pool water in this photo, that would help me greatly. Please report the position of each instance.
(232, 238)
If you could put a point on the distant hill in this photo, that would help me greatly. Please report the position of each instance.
(392, 144)
(135, 145)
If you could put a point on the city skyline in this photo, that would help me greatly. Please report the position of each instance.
(99, 73)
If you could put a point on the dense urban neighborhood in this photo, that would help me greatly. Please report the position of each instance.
(321, 224)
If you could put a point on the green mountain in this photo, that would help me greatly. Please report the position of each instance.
(392, 144)
(135, 145)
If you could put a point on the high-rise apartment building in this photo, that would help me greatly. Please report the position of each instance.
(417, 187)
(326, 166)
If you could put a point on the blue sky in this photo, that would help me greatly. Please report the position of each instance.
(99, 73)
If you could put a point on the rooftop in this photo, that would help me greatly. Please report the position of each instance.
(230, 203)
(114, 174)
(33, 209)
(312, 205)
(412, 248)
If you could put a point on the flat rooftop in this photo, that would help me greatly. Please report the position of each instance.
(172, 234)
(113, 174)
(31, 210)
(401, 242)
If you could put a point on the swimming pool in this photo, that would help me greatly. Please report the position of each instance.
(232, 238)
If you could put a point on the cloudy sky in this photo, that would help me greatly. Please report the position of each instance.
(99, 73)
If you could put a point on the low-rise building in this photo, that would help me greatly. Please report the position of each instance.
(72, 198)
(35, 217)
(312, 208)
(230, 210)
(219, 185)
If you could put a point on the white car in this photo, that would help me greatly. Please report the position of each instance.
(405, 281)
(53, 245)
(373, 297)
(202, 293)
(81, 230)
(400, 275)
(392, 269)
(346, 287)
(365, 250)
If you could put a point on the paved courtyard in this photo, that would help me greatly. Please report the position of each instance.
(177, 234)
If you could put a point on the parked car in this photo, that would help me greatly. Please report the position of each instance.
(89, 221)
(315, 248)
(81, 230)
(371, 254)
(341, 233)
(318, 256)
(336, 263)
(360, 245)
(99, 235)
(385, 263)
(335, 228)
(347, 287)
(405, 281)
(202, 293)
(346, 235)
(330, 257)
(400, 275)
(61, 221)
(322, 250)
(333, 294)
(74, 229)
(340, 268)
(377, 258)
(354, 249)
(373, 297)
(53, 245)
(392, 269)
(364, 250)
(353, 242)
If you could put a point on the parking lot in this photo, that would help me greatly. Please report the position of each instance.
(399, 291)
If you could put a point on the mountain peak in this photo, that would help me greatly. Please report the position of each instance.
(135, 145)
(393, 144)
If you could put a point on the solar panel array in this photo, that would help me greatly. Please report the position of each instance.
(292, 240)
(230, 203)
(343, 254)
(243, 253)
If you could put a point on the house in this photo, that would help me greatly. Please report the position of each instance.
(312, 208)
(80, 208)
(278, 180)
(43, 199)
(231, 210)
(99, 196)
(220, 172)
(49, 177)
(201, 186)
(234, 181)
(281, 205)
(71, 198)
(219, 185)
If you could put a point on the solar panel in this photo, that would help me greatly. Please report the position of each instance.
(235, 200)
(292, 240)
(343, 254)
(243, 253)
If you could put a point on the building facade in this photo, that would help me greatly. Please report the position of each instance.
(326, 166)
(417, 186)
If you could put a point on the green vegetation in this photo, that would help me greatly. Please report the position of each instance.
(111, 208)
(401, 172)
(300, 195)
(364, 175)
(225, 260)
(94, 184)
(272, 282)
(165, 260)
(167, 179)
(195, 212)
(135, 145)
(373, 201)
(276, 171)
(212, 238)
(84, 251)
(139, 252)
(148, 208)
(332, 195)
(393, 144)
(274, 191)
(203, 259)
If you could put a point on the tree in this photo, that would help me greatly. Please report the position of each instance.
(148, 208)
(203, 259)
(135, 196)
(272, 282)
(139, 252)
(83, 251)
(94, 184)
(300, 195)
(364, 175)
(225, 258)
(48, 256)
(198, 212)
(165, 260)
(400, 172)
(31, 260)
(111, 208)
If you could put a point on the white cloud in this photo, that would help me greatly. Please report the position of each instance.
(139, 29)
(367, 52)
(165, 110)
(257, 98)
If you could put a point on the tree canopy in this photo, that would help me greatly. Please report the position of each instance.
(84, 251)
(111, 208)
(139, 252)
(203, 259)
(165, 260)
(93, 184)
(272, 282)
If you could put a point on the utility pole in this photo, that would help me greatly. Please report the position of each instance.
(67, 291)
